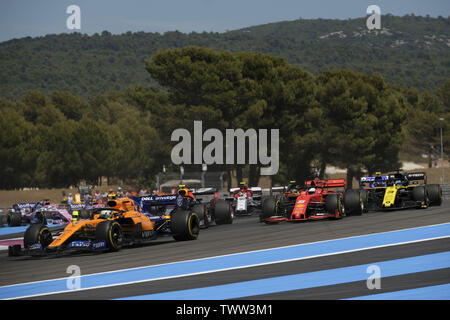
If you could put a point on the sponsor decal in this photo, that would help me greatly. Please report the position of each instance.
(159, 198)
(99, 244)
(36, 246)
(79, 244)
(147, 234)
(24, 205)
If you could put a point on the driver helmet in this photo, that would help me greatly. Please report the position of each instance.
(182, 190)
(105, 214)
(312, 190)
(291, 185)
(378, 181)
(398, 182)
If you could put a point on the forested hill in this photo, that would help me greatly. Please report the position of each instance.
(409, 50)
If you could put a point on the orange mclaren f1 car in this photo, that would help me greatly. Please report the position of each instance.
(110, 228)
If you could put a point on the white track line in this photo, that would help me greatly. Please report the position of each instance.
(231, 268)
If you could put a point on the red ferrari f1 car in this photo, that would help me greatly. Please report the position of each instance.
(317, 199)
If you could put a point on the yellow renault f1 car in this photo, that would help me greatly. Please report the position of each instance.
(399, 191)
(119, 224)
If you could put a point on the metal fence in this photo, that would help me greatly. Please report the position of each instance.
(446, 190)
(171, 180)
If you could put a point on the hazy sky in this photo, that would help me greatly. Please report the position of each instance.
(19, 18)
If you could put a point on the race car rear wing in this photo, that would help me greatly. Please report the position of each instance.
(77, 206)
(202, 191)
(252, 189)
(417, 176)
(198, 193)
(370, 180)
(335, 183)
(144, 203)
(257, 193)
(278, 189)
(332, 183)
(25, 207)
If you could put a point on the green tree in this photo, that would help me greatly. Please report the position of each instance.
(18, 148)
(363, 121)
(59, 163)
(225, 90)
(71, 106)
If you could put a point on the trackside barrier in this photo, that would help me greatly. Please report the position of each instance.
(445, 190)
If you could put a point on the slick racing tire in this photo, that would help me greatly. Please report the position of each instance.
(40, 217)
(269, 208)
(365, 199)
(222, 212)
(333, 203)
(185, 225)
(201, 211)
(353, 202)
(37, 233)
(434, 194)
(111, 232)
(14, 219)
(420, 194)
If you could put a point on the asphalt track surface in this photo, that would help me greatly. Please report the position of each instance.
(246, 234)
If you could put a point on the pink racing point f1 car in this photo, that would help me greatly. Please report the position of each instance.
(46, 213)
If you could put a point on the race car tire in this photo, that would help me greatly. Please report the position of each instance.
(185, 225)
(223, 213)
(333, 203)
(200, 210)
(37, 233)
(353, 202)
(420, 194)
(269, 208)
(434, 194)
(40, 216)
(111, 233)
(14, 219)
(365, 199)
